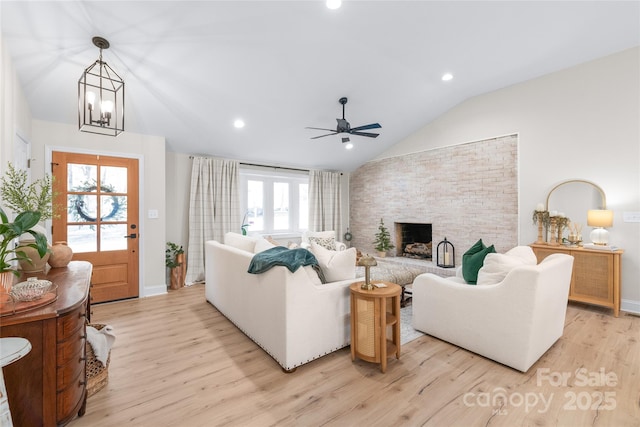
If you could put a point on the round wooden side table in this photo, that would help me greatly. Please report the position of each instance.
(371, 313)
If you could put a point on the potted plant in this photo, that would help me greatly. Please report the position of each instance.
(20, 196)
(383, 240)
(8, 252)
(174, 260)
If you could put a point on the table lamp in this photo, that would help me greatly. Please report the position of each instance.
(367, 261)
(600, 219)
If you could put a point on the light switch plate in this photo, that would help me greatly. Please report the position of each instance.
(152, 214)
(631, 216)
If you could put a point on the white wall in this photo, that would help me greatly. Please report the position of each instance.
(15, 115)
(178, 184)
(150, 150)
(579, 123)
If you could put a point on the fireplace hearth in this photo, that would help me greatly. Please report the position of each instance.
(413, 240)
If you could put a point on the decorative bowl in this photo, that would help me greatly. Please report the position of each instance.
(31, 290)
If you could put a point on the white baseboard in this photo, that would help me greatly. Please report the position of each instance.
(630, 306)
(151, 291)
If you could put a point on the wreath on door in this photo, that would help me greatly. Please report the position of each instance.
(78, 209)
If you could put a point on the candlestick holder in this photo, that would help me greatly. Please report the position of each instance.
(540, 220)
(553, 231)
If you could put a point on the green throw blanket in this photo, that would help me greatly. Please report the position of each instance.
(279, 255)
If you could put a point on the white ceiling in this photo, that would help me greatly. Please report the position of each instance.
(192, 68)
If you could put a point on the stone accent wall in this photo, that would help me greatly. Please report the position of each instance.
(467, 192)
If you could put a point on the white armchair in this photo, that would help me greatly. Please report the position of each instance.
(513, 322)
(304, 243)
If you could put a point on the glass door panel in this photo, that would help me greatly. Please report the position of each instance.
(101, 220)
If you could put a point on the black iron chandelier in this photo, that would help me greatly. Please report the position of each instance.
(101, 97)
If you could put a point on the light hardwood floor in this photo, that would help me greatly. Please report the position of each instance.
(178, 362)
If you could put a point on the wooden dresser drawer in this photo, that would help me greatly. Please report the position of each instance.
(69, 371)
(70, 323)
(70, 399)
(71, 350)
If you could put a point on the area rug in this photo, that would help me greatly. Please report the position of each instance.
(407, 333)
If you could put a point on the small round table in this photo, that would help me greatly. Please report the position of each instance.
(11, 349)
(371, 313)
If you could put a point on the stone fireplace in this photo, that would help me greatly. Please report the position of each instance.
(413, 240)
(466, 192)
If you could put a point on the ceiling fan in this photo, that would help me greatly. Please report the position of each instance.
(345, 127)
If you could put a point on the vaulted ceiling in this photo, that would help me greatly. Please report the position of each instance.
(193, 67)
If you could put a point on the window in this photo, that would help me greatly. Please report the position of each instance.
(275, 202)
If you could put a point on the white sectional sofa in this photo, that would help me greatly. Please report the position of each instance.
(292, 316)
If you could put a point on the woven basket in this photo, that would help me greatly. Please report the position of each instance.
(97, 373)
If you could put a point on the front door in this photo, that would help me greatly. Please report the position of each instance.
(100, 222)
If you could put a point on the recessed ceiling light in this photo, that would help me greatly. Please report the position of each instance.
(446, 77)
(349, 146)
(334, 4)
(239, 123)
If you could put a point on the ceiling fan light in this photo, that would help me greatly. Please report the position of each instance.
(447, 77)
(334, 4)
(349, 146)
(239, 123)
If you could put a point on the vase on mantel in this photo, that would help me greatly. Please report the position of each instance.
(61, 255)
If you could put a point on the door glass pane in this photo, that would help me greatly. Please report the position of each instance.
(112, 237)
(82, 207)
(280, 206)
(113, 208)
(82, 238)
(113, 179)
(255, 206)
(303, 206)
(81, 177)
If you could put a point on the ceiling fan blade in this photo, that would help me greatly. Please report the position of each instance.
(369, 126)
(322, 136)
(330, 130)
(370, 135)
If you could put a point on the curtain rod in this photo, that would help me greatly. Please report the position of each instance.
(265, 166)
(274, 167)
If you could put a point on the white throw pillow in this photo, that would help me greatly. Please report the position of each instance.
(262, 244)
(496, 266)
(245, 243)
(336, 265)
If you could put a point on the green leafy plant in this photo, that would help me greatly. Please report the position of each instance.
(171, 254)
(383, 238)
(20, 196)
(12, 230)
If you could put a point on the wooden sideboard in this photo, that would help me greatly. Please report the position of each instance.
(596, 274)
(47, 387)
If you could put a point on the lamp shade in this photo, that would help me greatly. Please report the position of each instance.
(599, 218)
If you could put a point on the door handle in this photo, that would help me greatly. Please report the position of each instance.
(131, 236)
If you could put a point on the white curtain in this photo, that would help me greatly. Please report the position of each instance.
(214, 209)
(325, 211)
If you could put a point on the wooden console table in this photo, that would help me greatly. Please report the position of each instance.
(47, 387)
(596, 274)
(371, 313)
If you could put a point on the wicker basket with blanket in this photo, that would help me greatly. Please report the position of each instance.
(97, 372)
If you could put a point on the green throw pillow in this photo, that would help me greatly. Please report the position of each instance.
(473, 259)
